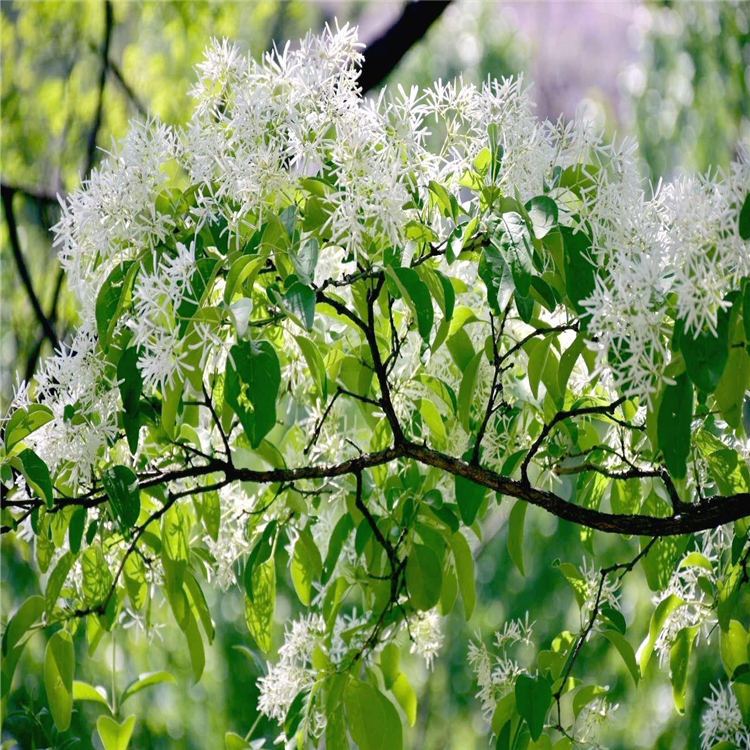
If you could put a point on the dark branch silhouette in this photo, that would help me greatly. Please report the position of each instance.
(94, 132)
(385, 53)
(15, 246)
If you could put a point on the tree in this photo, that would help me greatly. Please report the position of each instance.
(306, 333)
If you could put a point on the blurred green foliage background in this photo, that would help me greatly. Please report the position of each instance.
(681, 87)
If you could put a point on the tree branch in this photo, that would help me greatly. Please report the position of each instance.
(712, 512)
(560, 417)
(15, 244)
(382, 55)
(94, 132)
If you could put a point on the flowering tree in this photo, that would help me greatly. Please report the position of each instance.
(352, 328)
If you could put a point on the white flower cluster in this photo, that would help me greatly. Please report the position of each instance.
(114, 215)
(293, 672)
(84, 402)
(156, 320)
(676, 252)
(426, 635)
(592, 720)
(496, 673)
(721, 720)
(607, 596)
(697, 610)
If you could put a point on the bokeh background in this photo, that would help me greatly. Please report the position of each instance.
(674, 75)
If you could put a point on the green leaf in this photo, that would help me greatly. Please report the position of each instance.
(496, 151)
(461, 348)
(580, 272)
(131, 387)
(340, 534)
(433, 420)
(469, 496)
(696, 559)
(76, 528)
(466, 390)
(568, 360)
(56, 581)
(200, 284)
(169, 405)
(614, 618)
(679, 659)
(417, 297)
(299, 301)
(306, 565)
(175, 533)
(540, 359)
(134, 574)
(729, 471)
(625, 650)
(673, 425)
(199, 605)
(706, 355)
(373, 721)
(625, 496)
(533, 699)
(305, 260)
(389, 660)
(495, 273)
(82, 691)
(445, 200)
(37, 475)
(730, 390)
(144, 681)
(660, 561)
(733, 646)
(503, 712)
(424, 577)
(97, 579)
(515, 534)
(744, 219)
(19, 625)
(295, 712)
(260, 610)
(195, 647)
(315, 363)
(115, 736)
(59, 666)
(121, 486)
(258, 555)
(7, 669)
(113, 297)
(589, 492)
(406, 697)
(211, 513)
(543, 215)
(252, 385)
(244, 267)
(233, 741)
(464, 571)
(665, 608)
(449, 588)
(24, 421)
(515, 242)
